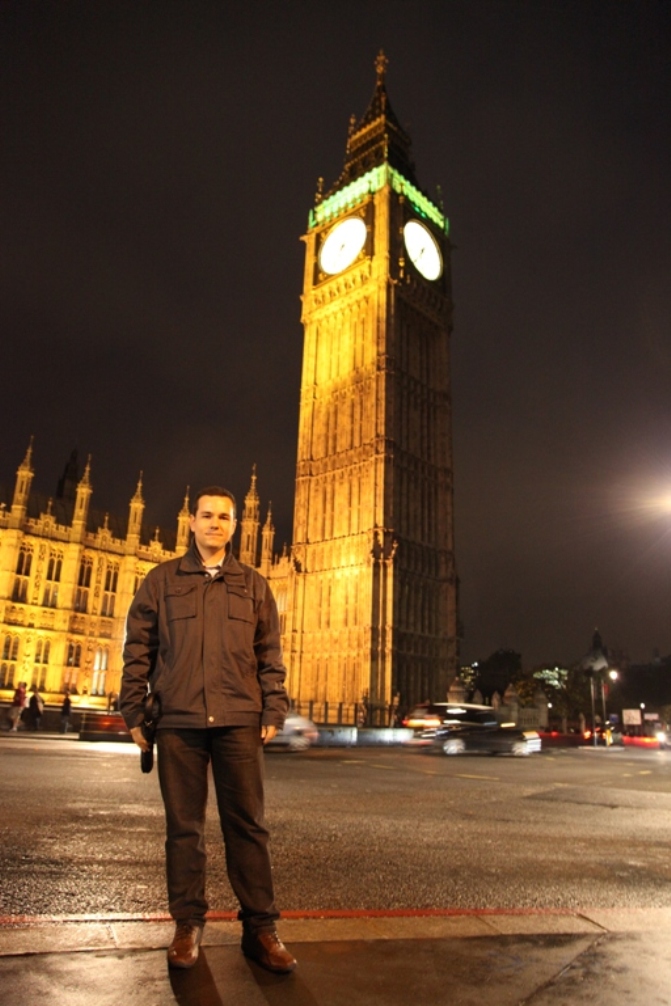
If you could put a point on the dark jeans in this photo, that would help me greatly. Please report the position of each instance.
(236, 755)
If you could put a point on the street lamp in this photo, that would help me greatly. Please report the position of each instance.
(591, 692)
(613, 675)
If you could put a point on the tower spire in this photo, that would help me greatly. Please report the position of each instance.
(28, 460)
(249, 524)
(82, 500)
(135, 512)
(378, 137)
(267, 539)
(138, 498)
(183, 522)
(381, 64)
(24, 478)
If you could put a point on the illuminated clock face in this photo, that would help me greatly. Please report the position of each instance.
(423, 250)
(342, 245)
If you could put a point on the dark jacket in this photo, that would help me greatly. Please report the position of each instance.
(209, 647)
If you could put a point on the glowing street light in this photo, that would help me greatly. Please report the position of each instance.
(613, 675)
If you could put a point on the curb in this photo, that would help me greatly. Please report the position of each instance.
(32, 935)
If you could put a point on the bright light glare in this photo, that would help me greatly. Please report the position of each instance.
(640, 503)
(644, 505)
(658, 504)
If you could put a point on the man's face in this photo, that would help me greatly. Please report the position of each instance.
(213, 525)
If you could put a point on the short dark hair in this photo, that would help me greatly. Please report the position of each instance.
(213, 491)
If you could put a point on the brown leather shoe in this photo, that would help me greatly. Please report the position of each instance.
(183, 951)
(266, 948)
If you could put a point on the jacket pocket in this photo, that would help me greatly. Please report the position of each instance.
(240, 604)
(180, 602)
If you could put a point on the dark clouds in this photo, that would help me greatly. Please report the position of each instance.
(159, 164)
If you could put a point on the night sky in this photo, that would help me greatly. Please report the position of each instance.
(158, 164)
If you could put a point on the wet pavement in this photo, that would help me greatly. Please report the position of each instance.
(460, 957)
(486, 958)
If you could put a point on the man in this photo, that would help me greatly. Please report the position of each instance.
(35, 708)
(203, 635)
(17, 706)
(66, 709)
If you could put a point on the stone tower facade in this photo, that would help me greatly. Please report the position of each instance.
(374, 598)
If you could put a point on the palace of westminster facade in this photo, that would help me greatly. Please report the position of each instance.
(367, 593)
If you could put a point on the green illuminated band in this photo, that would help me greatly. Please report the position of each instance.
(371, 182)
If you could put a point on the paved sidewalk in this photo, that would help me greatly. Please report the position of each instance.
(478, 958)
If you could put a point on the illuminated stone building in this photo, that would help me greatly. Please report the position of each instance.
(367, 594)
(67, 576)
(373, 610)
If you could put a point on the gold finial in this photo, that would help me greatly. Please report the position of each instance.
(29, 453)
(86, 477)
(137, 498)
(319, 194)
(381, 64)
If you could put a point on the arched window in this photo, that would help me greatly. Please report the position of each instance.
(73, 661)
(85, 568)
(23, 565)
(83, 583)
(109, 594)
(24, 561)
(99, 671)
(11, 648)
(55, 566)
(10, 654)
(52, 578)
(42, 651)
(74, 654)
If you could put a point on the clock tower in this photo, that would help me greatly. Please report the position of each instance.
(374, 613)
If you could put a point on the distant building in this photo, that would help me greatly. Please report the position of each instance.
(67, 575)
(647, 685)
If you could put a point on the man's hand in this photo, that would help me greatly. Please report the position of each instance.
(139, 738)
(267, 733)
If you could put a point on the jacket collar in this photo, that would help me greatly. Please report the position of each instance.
(191, 562)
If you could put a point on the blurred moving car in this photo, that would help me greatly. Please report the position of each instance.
(653, 736)
(297, 734)
(460, 728)
(99, 726)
